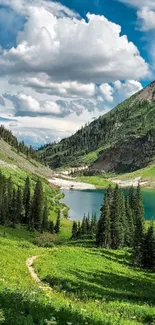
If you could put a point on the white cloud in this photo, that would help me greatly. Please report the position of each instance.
(64, 66)
(139, 3)
(107, 92)
(27, 105)
(145, 12)
(146, 18)
(42, 83)
(118, 91)
(24, 7)
(75, 50)
(128, 88)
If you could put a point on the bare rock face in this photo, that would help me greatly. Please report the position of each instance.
(147, 93)
(126, 156)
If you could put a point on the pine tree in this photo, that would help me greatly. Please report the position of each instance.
(83, 226)
(27, 200)
(129, 235)
(103, 236)
(74, 230)
(88, 224)
(51, 227)
(148, 249)
(14, 210)
(79, 230)
(4, 210)
(19, 206)
(139, 228)
(123, 220)
(57, 225)
(45, 224)
(93, 226)
(37, 206)
(132, 201)
(117, 234)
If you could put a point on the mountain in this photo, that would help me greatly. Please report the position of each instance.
(121, 140)
(18, 164)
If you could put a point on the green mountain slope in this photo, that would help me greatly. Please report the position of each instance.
(121, 140)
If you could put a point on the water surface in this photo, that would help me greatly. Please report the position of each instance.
(81, 202)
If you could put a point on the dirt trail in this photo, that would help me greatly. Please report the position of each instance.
(29, 264)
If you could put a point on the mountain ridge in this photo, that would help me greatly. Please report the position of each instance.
(130, 125)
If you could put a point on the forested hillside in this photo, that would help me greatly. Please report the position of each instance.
(20, 147)
(127, 132)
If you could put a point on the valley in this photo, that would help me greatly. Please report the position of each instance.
(49, 277)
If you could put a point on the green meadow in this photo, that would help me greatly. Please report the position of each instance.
(89, 285)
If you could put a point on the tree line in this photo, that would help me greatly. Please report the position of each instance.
(87, 228)
(8, 137)
(121, 224)
(23, 206)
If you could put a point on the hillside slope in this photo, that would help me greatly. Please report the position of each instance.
(9, 158)
(121, 140)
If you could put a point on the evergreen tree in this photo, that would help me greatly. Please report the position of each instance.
(93, 226)
(148, 249)
(84, 226)
(27, 200)
(19, 206)
(139, 228)
(74, 230)
(51, 226)
(88, 224)
(117, 234)
(79, 230)
(129, 235)
(103, 236)
(14, 209)
(4, 210)
(123, 220)
(37, 206)
(45, 224)
(57, 225)
(132, 201)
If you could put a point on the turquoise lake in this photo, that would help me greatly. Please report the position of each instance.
(80, 202)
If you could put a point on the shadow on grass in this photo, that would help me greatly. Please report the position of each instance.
(108, 286)
(21, 309)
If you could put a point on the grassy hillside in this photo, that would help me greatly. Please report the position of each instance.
(120, 140)
(89, 286)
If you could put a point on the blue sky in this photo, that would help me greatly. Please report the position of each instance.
(64, 64)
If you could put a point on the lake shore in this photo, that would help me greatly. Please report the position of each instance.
(70, 184)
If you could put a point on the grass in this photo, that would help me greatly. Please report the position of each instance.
(90, 286)
(103, 181)
(102, 283)
(98, 181)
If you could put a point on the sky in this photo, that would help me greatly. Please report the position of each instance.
(63, 64)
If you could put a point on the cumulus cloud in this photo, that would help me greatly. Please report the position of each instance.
(128, 88)
(145, 12)
(27, 105)
(107, 92)
(67, 49)
(146, 18)
(24, 7)
(42, 83)
(118, 91)
(139, 3)
(64, 66)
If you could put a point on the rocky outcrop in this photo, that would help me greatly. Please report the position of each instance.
(126, 156)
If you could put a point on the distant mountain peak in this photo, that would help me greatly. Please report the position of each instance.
(147, 93)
